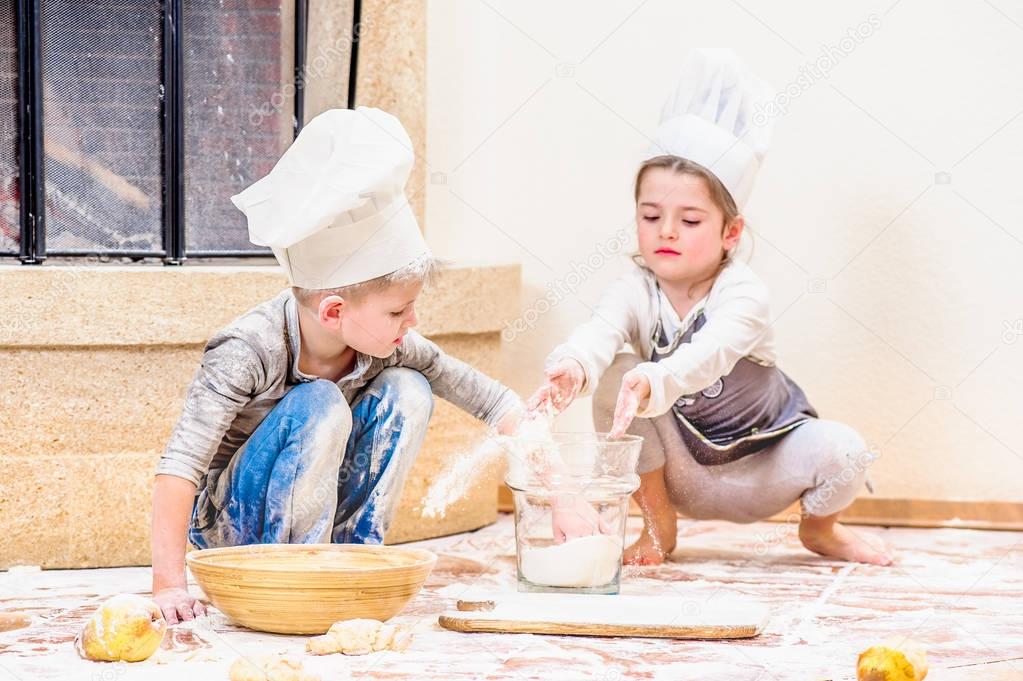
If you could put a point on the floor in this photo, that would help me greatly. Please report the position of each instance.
(958, 592)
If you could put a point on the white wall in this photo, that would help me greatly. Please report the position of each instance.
(896, 287)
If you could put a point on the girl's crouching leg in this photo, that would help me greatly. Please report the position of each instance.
(841, 459)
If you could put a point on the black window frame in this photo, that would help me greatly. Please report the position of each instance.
(31, 170)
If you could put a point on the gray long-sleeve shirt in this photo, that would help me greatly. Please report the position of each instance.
(250, 365)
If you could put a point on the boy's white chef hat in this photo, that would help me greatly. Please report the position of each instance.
(333, 209)
(715, 117)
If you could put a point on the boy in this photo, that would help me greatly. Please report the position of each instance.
(307, 412)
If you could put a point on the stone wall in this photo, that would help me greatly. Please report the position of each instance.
(94, 363)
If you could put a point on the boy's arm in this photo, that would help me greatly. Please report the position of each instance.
(455, 381)
(228, 377)
(226, 380)
(172, 508)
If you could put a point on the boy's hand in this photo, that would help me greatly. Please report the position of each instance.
(635, 389)
(509, 423)
(178, 605)
(573, 516)
(564, 381)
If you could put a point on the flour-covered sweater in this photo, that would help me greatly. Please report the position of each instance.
(250, 365)
(737, 325)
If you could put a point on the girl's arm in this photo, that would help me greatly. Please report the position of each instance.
(594, 344)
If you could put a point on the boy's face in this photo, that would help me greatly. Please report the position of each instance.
(375, 323)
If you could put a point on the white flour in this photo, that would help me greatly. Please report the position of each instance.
(522, 454)
(530, 453)
(456, 480)
(581, 562)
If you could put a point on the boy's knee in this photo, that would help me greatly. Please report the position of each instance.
(605, 397)
(409, 388)
(318, 392)
(320, 400)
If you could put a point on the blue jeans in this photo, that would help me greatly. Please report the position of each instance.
(290, 484)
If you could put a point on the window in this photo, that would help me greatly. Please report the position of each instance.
(10, 203)
(149, 115)
(101, 126)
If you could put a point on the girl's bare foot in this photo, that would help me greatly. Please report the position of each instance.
(823, 535)
(647, 551)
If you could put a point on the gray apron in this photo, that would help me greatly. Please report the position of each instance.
(753, 406)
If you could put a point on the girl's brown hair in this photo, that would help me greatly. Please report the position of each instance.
(721, 197)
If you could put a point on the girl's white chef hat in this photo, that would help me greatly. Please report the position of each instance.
(334, 209)
(715, 117)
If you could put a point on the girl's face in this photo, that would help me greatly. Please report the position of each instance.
(682, 235)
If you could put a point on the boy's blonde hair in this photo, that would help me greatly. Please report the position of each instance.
(721, 197)
(421, 270)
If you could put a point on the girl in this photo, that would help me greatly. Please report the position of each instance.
(727, 435)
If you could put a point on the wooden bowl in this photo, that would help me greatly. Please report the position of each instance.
(305, 588)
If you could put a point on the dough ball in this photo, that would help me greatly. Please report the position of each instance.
(894, 660)
(359, 637)
(270, 668)
(127, 628)
(401, 640)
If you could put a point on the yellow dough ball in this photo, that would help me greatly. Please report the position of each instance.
(894, 660)
(126, 628)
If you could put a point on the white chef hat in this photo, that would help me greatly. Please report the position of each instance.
(711, 118)
(333, 209)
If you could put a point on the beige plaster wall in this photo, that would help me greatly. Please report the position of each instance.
(887, 220)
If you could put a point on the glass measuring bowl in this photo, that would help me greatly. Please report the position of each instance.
(586, 478)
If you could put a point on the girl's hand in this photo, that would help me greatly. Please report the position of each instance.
(572, 516)
(564, 381)
(635, 389)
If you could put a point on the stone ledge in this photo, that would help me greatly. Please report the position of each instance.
(95, 362)
(68, 305)
(53, 515)
(75, 511)
(94, 400)
(81, 448)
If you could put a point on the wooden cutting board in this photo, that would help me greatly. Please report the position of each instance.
(598, 615)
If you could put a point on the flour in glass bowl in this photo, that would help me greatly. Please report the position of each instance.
(580, 562)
